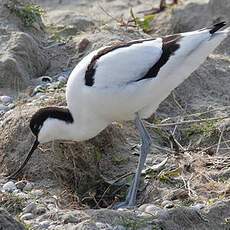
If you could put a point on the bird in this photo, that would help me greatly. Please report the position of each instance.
(123, 82)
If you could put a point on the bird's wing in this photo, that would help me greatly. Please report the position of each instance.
(123, 63)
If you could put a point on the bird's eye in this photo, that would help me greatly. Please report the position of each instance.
(37, 127)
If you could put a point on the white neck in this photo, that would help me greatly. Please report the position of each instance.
(79, 130)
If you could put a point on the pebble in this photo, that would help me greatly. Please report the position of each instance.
(22, 195)
(119, 227)
(28, 187)
(103, 226)
(180, 194)
(46, 79)
(83, 45)
(27, 216)
(9, 186)
(3, 108)
(150, 208)
(52, 207)
(6, 100)
(39, 89)
(55, 85)
(44, 224)
(16, 191)
(37, 192)
(11, 105)
(43, 97)
(62, 79)
(39, 210)
(30, 208)
(20, 184)
(167, 204)
(69, 218)
(198, 206)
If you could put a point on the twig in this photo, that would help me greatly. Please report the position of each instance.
(185, 122)
(225, 142)
(176, 143)
(108, 14)
(177, 103)
(163, 148)
(212, 146)
(219, 141)
(54, 45)
(198, 114)
(157, 167)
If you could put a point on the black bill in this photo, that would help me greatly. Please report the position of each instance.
(15, 174)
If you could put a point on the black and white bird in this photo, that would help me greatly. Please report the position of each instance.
(124, 82)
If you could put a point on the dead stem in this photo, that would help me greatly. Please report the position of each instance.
(186, 122)
(219, 141)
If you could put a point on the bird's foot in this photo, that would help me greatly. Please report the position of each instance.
(130, 199)
(124, 204)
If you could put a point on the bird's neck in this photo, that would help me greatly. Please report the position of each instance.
(65, 126)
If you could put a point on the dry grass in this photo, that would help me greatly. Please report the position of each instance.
(198, 159)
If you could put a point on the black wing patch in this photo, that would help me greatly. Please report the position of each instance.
(91, 69)
(169, 46)
(216, 27)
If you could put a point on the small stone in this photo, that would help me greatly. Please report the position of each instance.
(52, 227)
(9, 186)
(180, 194)
(103, 226)
(11, 105)
(46, 79)
(119, 227)
(38, 89)
(167, 204)
(198, 206)
(27, 216)
(43, 97)
(150, 208)
(22, 195)
(3, 108)
(6, 100)
(16, 191)
(20, 184)
(37, 192)
(62, 79)
(54, 85)
(83, 45)
(30, 208)
(69, 218)
(52, 207)
(44, 224)
(39, 210)
(28, 187)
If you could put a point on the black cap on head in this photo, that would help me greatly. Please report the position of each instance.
(43, 114)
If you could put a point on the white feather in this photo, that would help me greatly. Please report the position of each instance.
(117, 95)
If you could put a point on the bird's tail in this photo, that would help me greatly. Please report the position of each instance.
(215, 29)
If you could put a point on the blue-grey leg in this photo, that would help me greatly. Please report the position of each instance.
(145, 149)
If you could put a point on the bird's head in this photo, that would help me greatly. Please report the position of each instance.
(46, 125)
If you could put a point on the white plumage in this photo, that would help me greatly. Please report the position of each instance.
(117, 95)
(124, 82)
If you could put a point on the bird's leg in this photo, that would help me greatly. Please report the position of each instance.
(145, 148)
